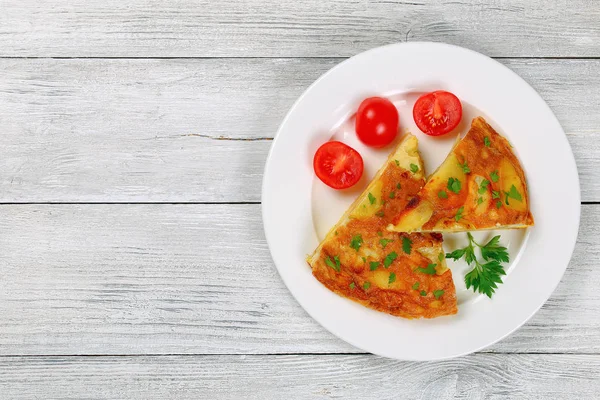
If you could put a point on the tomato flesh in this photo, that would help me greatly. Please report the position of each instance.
(338, 165)
(437, 113)
(376, 122)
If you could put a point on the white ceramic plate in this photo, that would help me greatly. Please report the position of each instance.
(298, 209)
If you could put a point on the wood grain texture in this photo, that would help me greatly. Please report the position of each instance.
(307, 28)
(480, 376)
(198, 279)
(152, 130)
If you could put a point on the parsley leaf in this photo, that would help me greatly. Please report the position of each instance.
(356, 242)
(414, 168)
(498, 204)
(392, 278)
(373, 265)
(493, 251)
(513, 193)
(454, 185)
(397, 163)
(438, 293)
(406, 245)
(423, 293)
(456, 254)
(430, 270)
(486, 141)
(336, 265)
(379, 233)
(495, 194)
(364, 259)
(398, 186)
(384, 242)
(392, 194)
(479, 200)
(465, 167)
(442, 194)
(380, 214)
(366, 285)
(459, 214)
(389, 259)
(371, 198)
(483, 186)
(352, 286)
(494, 176)
(416, 285)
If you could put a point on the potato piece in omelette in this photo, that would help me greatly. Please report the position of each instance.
(397, 273)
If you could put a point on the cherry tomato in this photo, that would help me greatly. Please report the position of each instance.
(437, 113)
(338, 165)
(376, 122)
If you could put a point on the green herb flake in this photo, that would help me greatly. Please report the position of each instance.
(498, 204)
(352, 286)
(430, 270)
(385, 242)
(335, 264)
(366, 285)
(364, 259)
(438, 293)
(483, 186)
(389, 259)
(397, 163)
(465, 167)
(487, 142)
(479, 200)
(373, 265)
(513, 193)
(380, 214)
(494, 176)
(459, 214)
(414, 168)
(398, 186)
(406, 245)
(416, 285)
(356, 242)
(392, 195)
(423, 293)
(454, 185)
(442, 194)
(379, 233)
(392, 278)
(372, 199)
(495, 194)
(441, 257)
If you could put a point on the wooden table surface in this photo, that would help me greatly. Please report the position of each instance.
(133, 136)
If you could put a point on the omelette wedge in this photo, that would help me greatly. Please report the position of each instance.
(481, 185)
(403, 274)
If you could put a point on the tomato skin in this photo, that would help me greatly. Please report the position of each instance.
(437, 113)
(376, 122)
(338, 165)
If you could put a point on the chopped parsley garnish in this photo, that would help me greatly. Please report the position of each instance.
(441, 257)
(442, 194)
(364, 259)
(335, 264)
(454, 185)
(397, 163)
(372, 199)
(392, 278)
(406, 245)
(486, 141)
(392, 194)
(513, 193)
(498, 204)
(416, 285)
(414, 168)
(356, 242)
(486, 275)
(438, 293)
(495, 194)
(380, 214)
(352, 286)
(366, 285)
(459, 214)
(423, 293)
(389, 259)
(465, 167)
(479, 200)
(398, 186)
(483, 186)
(384, 242)
(494, 176)
(430, 270)
(373, 265)
(379, 233)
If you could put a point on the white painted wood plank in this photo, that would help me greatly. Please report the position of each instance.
(307, 28)
(146, 130)
(481, 376)
(198, 279)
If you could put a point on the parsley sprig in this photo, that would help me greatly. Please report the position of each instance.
(487, 274)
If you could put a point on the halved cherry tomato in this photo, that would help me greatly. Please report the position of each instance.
(376, 122)
(338, 165)
(437, 113)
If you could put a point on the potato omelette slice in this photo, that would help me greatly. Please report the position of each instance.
(397, 273)
(479, 186)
